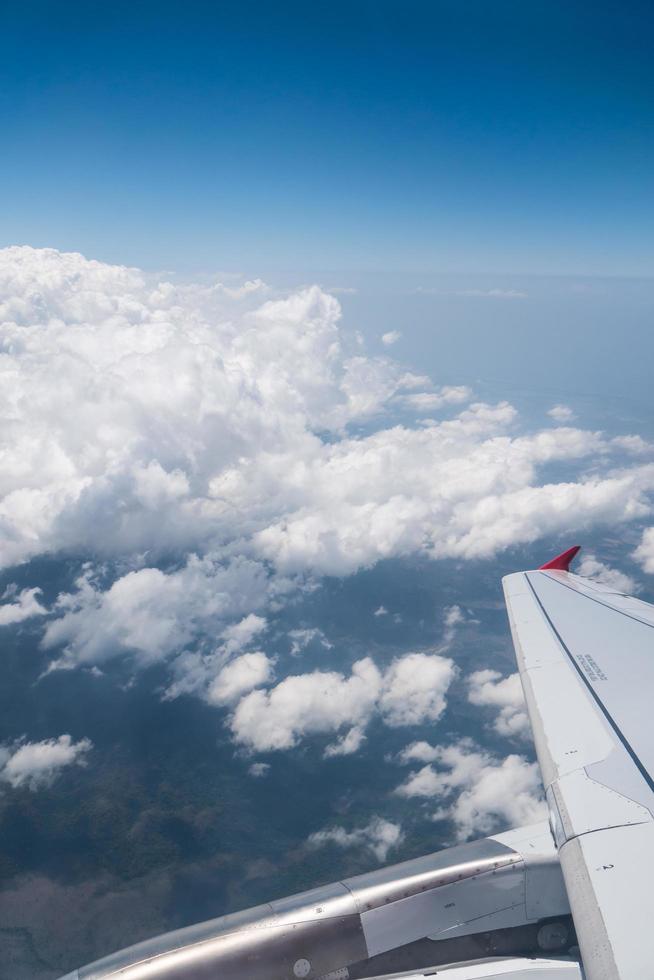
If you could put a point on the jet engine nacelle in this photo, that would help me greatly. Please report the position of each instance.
(495, 884)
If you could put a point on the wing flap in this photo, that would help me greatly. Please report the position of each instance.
(608, 877)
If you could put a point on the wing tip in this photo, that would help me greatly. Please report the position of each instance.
(563, 561)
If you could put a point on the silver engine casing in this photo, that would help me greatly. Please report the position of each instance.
(497, 883)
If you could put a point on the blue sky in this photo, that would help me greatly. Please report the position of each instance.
(443, 137)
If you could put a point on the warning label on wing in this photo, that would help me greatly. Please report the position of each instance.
(591, 668)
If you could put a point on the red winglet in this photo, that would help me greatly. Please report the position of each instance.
(562, 562)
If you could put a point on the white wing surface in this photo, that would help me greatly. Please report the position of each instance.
(586, 660)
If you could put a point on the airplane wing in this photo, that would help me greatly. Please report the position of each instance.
(586, 659)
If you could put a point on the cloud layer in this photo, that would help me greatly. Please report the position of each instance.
(205, 451)
(143, 416)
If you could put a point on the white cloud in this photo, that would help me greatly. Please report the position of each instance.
(306, 704)
(150, 615)
(37, 764)
(493, 293)
(238, 292)
(302, 638)
(246, 672)
(381, 611)
(489, 688)
(453, 617)
(411, 691)
(644, 553)
(509, 793)
(391, 337)
(414, 689)
(590, 567)
(347, 744)
(125, 397)
(429, 401)
(419, 752)
(154, 487)
(480, 792)
(24, 605)
(379, 836)
(561, 413)
(461, 488)
(633, 445)
(259, 769)
(236, 636)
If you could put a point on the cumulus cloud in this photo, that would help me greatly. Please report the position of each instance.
(306, 704)
(476, 790)
(460, 488)
(411, 691)
(347, 744)
(391, 337)
(591, 567)
(419, 752)
(37, 764)
(414, 689)
(633, 445)
(238, 635)
(23, 605)
(379, 836)
(644, 553)
(561, 413)
(124, 398)
(429, 401)
(149, 614)
(246, 672)
(489, 688)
